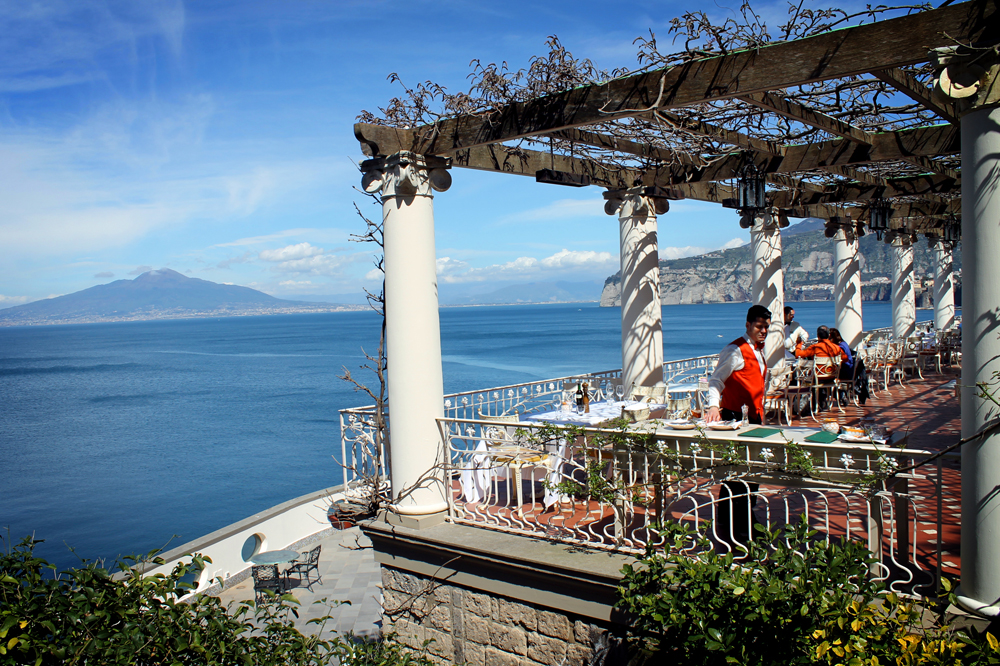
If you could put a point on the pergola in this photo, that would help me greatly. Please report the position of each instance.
(649, 138)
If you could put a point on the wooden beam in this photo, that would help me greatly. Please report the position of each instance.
(930, 165)
(731, 137)
(908, 84)
(802, 114)
(839, 53)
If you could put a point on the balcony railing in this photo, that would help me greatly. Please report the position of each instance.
(610, 489)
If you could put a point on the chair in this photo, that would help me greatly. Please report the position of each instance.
(311, 563)
(776, 396)
(825, 371)
(511, 455)
(892, 365)
(653, 394)
(798, 390)
(266, 577)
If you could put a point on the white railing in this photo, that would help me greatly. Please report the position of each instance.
(611, 488)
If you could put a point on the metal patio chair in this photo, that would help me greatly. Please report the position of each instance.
(266, 577)
(306, 566)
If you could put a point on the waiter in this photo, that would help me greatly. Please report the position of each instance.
(739, 378)
(739, 381)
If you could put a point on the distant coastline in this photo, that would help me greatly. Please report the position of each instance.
(186, 314)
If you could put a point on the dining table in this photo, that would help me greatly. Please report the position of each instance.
(275, 557)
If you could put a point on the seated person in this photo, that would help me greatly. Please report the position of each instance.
(847, 365)
(824, 347)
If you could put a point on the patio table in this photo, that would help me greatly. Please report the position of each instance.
(600, 412)
(274, 557)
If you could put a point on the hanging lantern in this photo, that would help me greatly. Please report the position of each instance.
(879, 212)
(952, 232)
(750, 187)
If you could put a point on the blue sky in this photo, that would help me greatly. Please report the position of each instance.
(215, 138)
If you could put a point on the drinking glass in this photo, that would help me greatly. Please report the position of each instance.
(620, 390)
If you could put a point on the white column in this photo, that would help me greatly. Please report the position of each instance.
(642, 326)
(767, 286)
(904, 304)
(980, 359)
(413, 331)
(847, 286)
(944, 294)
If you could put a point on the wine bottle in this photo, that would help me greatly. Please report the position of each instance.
(586, 400)
(579, 398)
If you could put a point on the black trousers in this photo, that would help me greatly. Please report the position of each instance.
(729, 415)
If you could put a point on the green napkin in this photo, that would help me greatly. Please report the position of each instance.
(761, 432)
(822, 437)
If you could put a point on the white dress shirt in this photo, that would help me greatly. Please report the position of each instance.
(794, 334)
(730, 361)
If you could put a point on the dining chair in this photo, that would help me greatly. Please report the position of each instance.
(825, 371)
(266, 579)
(776, 396)
(503, 450)
(306, 566)
(653, 394)
(798, 391)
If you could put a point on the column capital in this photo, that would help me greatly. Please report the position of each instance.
(901, 240)
(406, 174)
(767, 219)
(843, 228)
(636, 201)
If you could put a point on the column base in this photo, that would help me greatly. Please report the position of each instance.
(413, 522)
(975, 606)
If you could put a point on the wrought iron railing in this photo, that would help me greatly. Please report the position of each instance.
(594, 489)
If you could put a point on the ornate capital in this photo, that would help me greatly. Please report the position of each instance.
(406, 174)
(635, 202)
(968, 77)
(768, 219)
(851, 230)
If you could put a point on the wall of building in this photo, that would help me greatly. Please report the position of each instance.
(481, 629)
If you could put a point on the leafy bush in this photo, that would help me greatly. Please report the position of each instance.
(792, 599)
(88, 616)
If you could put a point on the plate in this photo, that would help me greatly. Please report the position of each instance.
(853, 439)
(681, 425)
(726, 425)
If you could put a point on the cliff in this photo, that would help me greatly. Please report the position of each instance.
(807, 257)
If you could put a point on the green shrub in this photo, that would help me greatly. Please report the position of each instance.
(793, 599)
(87, 616)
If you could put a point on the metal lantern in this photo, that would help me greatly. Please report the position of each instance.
(951, 232)
(750, 187)
(879, 212)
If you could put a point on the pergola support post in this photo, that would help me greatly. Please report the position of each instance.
(412, 329)
(847, 285)
(642, 325)
(980, 586)
(904, 305)
(767, 285)
(944, 288)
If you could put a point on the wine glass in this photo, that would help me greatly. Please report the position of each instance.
(620, 390)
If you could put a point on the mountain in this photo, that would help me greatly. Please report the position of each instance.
(161, 294)
(528, 292)
(807, 258)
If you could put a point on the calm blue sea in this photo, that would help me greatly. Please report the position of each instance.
(117, 438)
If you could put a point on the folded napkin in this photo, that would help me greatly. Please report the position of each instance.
(822, 437)
(761, 432)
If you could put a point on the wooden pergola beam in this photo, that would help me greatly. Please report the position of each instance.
(839, 53)
(795, 111)
(908, 84)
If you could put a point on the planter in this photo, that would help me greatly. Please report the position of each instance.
(345, 515)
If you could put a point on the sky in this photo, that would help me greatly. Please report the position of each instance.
(215, 139)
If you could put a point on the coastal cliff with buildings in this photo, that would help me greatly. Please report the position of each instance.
(724, 276)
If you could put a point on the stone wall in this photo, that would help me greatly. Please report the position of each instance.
(470, 627)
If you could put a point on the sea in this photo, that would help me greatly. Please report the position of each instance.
(121, 438)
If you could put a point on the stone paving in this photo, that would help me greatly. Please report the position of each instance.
(348, 572)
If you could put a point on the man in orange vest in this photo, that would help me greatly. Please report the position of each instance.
(739, 378)
(737, 383)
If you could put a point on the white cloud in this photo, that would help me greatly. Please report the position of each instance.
(667, 253)
(260, 240)
(529, 268)
(13, 300)
(291, 252)
(139, 270)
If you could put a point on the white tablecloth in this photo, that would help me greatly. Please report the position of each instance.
(599, 413)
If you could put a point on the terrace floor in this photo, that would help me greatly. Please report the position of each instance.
(348, 572)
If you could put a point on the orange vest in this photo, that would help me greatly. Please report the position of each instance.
(746, 386)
